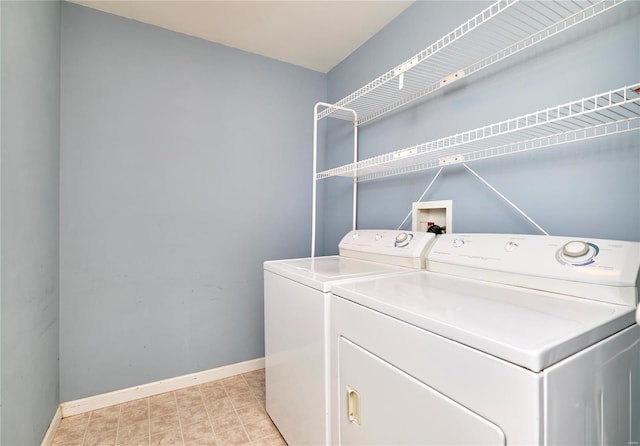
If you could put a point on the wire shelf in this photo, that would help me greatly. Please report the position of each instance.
(616, 111)
(499, 31)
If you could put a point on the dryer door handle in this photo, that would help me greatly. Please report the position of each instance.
(353, 406)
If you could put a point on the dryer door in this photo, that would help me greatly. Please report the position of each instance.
(382, 405)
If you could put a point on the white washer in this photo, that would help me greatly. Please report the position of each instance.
(505, 339)
(296, 307)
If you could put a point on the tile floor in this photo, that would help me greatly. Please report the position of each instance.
(226, 412)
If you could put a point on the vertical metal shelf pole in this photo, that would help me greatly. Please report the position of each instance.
(315, 171)
(314, 192)
(355, 171)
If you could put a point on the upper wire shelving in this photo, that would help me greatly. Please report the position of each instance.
(609, 113)
(499, 31)
(505, 28)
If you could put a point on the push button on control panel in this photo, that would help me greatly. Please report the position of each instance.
(510, 246)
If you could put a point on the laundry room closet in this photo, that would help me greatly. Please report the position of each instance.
(147, 175)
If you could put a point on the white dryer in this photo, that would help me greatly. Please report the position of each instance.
(504, 340)
(296, 308)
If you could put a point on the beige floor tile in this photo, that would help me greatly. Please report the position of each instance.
(254, 373)
(71, 429)
(210, 385)
(162, 401)
(227, 412)
(135, 405)
(144, 441)
(260, 429)
(104, 420)
(232, 380)
(236, 388)
(133, 432)
(134, 412)
(243, 400)
(188, 396)
(220, 406)
(192, 414)
(200, 431)
(213, 391)
(161, 424)
(187, 392)
(100, 438)
(261, 396)
(257, 386)
(77, 442)
(254, 380)
(274, 440)
(234, 437)
(204, 442)
(225, 422)
(107, 413)
(252, 414)
(162, 411)
(172, 437)
(75, 420)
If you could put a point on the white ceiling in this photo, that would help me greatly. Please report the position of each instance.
(312, 34)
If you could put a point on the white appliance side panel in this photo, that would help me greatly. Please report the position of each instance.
(601, 407)
(296, 379)
(507, 395)
(389, 407)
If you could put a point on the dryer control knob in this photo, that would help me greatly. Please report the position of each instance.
(378, 236)
(403, 239)
(458, 242)
(575, 249)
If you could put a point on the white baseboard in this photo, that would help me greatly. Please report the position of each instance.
(53, 427)
(146, 390)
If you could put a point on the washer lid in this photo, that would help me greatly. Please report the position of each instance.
(533, 329)
(321, 272)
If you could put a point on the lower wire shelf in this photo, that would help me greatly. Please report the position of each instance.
(609, 113)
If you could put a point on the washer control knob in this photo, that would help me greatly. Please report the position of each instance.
(575, 249)
(378, 236)
(511, 246)
(403, 239)
(458, 242)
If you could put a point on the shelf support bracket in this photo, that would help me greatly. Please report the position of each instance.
(520, 211)
(422, 196)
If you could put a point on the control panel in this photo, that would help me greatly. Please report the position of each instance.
(540, 262)
(404, 248)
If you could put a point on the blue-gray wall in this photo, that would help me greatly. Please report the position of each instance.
(184, 165)
(589, 189)
(30, 73)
